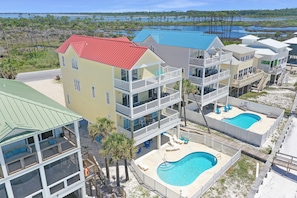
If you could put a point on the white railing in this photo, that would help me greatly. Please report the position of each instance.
(214, 95)
(63, 181)
(149, 83)
(171, 117)
(248, 79)
(211, 61)
(202, 139)
(149, 106)
(210, 79)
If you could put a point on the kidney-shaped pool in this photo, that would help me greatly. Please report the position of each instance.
(187, 169)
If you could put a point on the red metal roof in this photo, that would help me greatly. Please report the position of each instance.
(118, 52)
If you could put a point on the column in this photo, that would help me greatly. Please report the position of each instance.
(158, 141)
(81, 173)
(45, 192)
(178, 131)
(9, 189)
(76, 131)
(3, 166)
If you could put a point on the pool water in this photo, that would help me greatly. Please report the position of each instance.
(244, 120)
(186, 170)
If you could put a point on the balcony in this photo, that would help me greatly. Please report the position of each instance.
(20, 158)
(205, 62)
(170, 75)
(211, 95)
(276, 71)
(168, 98)
(248, 79)
(210, 79)
(169, 119)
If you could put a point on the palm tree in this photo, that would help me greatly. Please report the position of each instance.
(188, 88)
(184, 91)
(192, 89)
(129, 154)
(115, 145)
(103, 127)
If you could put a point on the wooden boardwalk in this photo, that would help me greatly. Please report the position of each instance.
(287, 161)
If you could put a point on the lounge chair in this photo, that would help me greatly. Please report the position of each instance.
(175, 139)
(226, 109)
(173, 148)
(172, 142)
(142, 166)
(186, 140)
(229, 106)
(218, 111)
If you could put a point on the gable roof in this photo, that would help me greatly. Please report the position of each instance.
(185, 39)
(117, 52)
(273, 43)
(249, 37)
(238, 49)
(291, 41)
(23, 109)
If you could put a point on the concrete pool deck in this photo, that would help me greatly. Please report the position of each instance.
(259, 127)
(154, 158)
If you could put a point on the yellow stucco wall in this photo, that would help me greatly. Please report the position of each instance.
(89, 74)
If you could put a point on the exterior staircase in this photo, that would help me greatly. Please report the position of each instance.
(263, 81)
(283, 77)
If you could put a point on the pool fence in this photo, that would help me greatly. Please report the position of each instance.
(202, 139)
(244, 135)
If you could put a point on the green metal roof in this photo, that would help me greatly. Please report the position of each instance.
(24, 110)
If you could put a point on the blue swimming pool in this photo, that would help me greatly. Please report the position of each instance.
(244, 120)
(186, 170)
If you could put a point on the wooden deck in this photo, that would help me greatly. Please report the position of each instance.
(287, 161)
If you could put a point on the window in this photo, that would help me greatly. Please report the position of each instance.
(107, 98)
(245, 71)
(250, 69)
(135, 98)
(235, 76)
(135, 74)
(63, 61)
(74, 64)
(68, 98)
(240, 74)
(124, 75)
(241, 58)
(76, 85)
(150, 93)
(264, 62)
(251, 56)
(152, 48)
(46, 135)
(247, 57)
(93, 92)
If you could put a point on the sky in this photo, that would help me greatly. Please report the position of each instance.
(66, 6)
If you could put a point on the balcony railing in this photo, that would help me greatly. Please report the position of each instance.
(276, 71)
(169, 118)
(225, 56)
(210, 79)
(149, 107)
(211, 96)
(21, 163)
(248, 79)
(170, 75)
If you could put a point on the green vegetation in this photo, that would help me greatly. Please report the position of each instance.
(295, 85)
(30, 42)
(250, 95)
(239, 177)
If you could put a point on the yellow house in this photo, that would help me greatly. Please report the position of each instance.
(244, 71)
(114, 78)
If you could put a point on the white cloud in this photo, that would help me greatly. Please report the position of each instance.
(180, 4)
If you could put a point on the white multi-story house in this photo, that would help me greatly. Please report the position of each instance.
(244, 69)
(274, 55)
(199, 55)
(293, 45)
(39, 155)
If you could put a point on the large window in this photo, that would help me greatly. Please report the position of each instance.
(76, 85)
(107, 98)
(74, 64)
(124, 75)
(135, 74)
(42, 136)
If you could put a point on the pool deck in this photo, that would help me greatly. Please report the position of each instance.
(259, 127)
(154, 158)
